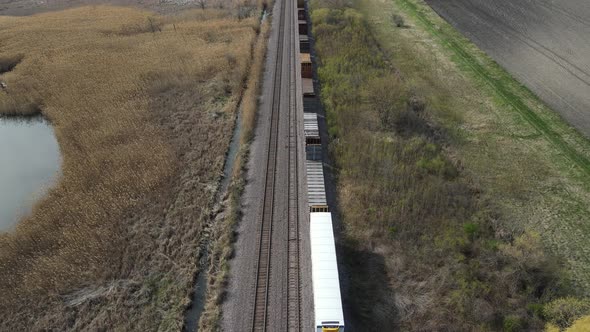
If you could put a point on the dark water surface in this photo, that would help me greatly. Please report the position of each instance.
(29, 164)
(545, 44)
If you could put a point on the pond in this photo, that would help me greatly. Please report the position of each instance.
(29, 164)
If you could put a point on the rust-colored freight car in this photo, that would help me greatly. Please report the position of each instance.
(306, 71)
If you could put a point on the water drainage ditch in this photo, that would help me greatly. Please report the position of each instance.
(193, 313)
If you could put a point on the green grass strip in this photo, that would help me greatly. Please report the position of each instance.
(503, 91)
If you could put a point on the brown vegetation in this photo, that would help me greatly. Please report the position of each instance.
(143, 107)
(7, 63)
(222, 247)
(425, 246)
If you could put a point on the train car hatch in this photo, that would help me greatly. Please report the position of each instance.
(330, 328)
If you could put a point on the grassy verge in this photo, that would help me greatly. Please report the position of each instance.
(141, 105)
(443, 186)
(532, 181)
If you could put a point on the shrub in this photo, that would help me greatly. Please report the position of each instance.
(397, 20)
(526, 250)
(536, 309)
(387, 96)
(471, 229)
(564, 311)
(512, 323)
(416, 104)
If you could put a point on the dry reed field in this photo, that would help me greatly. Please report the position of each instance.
(143, 107)
(222, 249)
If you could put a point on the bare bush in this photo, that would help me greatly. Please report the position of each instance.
(388, 97)
(398, 20)
(244, 11)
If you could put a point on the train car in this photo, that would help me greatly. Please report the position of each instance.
(301, 14)
(310, 104)
(313, 144)
(311, 129)
(304, 43)
(316, 191)
(302, 25)
(326, 285)
(306, 69)
(307, 85)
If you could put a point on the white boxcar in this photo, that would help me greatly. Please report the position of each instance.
(313, 143)
(326, 285)
(310, 128)
(316, 190)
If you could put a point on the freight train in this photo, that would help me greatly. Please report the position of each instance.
(328, 312)
(326, 285)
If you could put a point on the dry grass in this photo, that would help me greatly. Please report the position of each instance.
(142, 107)
(222, 247)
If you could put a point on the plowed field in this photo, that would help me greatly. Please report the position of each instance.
(544, 43)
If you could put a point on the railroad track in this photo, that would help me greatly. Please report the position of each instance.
(293, 288)
(263, 263)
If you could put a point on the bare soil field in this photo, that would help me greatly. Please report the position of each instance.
(543, 43)
(143, 107)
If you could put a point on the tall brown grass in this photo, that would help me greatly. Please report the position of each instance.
(141, 106)
(222, 246)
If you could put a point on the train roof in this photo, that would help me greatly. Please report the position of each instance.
(316, 191)
(307, 85)
(310, 125)
(305, 57)
(326, 285)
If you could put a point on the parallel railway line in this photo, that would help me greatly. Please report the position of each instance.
(293, 289)
(264, 250)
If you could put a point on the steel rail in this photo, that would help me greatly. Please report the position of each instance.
(259, 319)
(293, 288)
